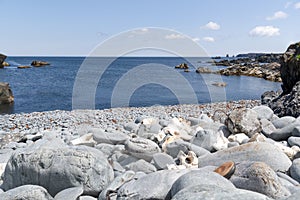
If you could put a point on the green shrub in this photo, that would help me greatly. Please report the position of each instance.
(298, 57)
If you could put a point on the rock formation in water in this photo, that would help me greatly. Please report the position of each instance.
(2, 58)
(6, 95)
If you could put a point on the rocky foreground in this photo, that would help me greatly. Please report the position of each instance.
(233, 150)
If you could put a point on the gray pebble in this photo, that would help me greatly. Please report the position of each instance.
(162, 160)
(283, 121)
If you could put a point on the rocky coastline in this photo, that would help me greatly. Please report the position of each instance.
(266, 66)
(227, 150)
(124, 152)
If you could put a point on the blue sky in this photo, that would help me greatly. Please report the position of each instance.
(76, 27)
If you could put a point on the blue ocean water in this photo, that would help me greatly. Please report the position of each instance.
(51, 87)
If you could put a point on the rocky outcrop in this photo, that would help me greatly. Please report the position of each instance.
(288, 102)
(5, 64)
(23, 67)
(182, 66)
(203, 70)
(6, 95)
(36, 63)
(2, 58)
(290, 67)
(268, 71)
(284, 104)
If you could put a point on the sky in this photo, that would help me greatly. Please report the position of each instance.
(76, 27)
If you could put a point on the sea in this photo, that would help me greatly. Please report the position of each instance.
(102, 83)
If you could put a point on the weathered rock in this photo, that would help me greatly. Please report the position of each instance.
(2, 58)
(179, 145)
(205, 139)
(200, 176)
(156, 185)
(141, 148)
(295, 169)
(162, 160)
(254, 151)
(182, 66)
(101, 136)
(258, 177)
(208, 192)
(6, 95)
(141, 166)
(32, 192)
(288, 103)
(113, 187)
(37, 63)
(267, 127)
(243, 121)
(5, 64)
(263, 112)
(290, 67)
(57, 169)
(203, 70)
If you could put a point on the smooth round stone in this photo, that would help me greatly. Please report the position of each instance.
(142, 148)
(156, 185)
(253, 151)
(70, 193)
(296, 131)
(294, 141)
(283, 133)
(141, 166)
(209, 192)
(60, 165)
(263, 112)
(259, 177)
(283, 121)
(295, 169)
(226, 169)
(200, 176)
(162, 160)
(32, 192)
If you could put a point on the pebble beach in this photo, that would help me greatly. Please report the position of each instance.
(231, 150)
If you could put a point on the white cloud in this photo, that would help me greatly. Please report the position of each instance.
(196, 39)
(208, 39)
(288, 4)
(297, 5)
(267, 31)
(212, 26)
(174, 36)
(278, 15)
